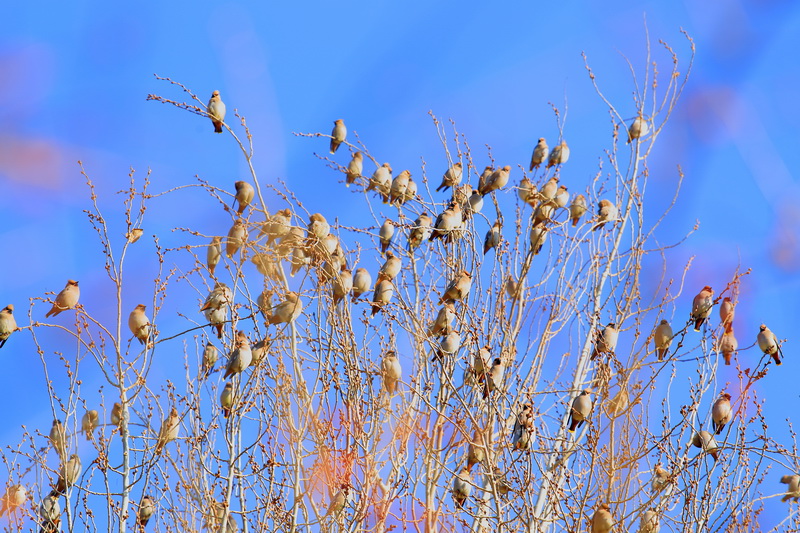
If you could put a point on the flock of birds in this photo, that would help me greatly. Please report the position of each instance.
(317, 246)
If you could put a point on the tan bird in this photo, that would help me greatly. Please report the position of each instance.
(493, 237)
(707, 443)
(522, 434)
(338, 134)
(385, 235)
(538, 237)
(663, 339)
(354, 169)
(449, 346)
(476, 450)
(462, 487)
(511, 286)
(391, 372)
(580, 410)
(481, 365)
(562, 197)
(792, 491)
(277, 226)
(220, 296)
(421, 231)
(89, 423)
(241, 358)
(342, 285)
(447, 223)
(605, 341)
(318, 227)
(559, 155)
(362, 281)
(288, 310)
(648, 523)
(216, 111)
(381, 181)
(602, 520)
(458, 288)
(244, 195)
(577, 209)
(134, 235)
(338, 501)
(259, 351)
(769, 344)
(146, 509)
(728, 344)
(8, 324)
(391, 267)
(494, 378)
(66, 299)
(498, 479)
(139, 324)
(543, 214)
(498, 179)
(382, 295)
(638, 128)
(213, 254)
(210, 356)
(169, 430)
(451, 178)
(15, 496)
(442, 325)
(527, 192)
(701, 306)
(236, 237)
(721, 413)
(68, 474)
(549, 190)
(117, 416)
(484, 177)
(58, 438)
(411, 191)
(606, 212)
(726, 312)
(398, 188)
(227, 399)
(217, 318)
(50, 514)
(540, 153)
(660, 479)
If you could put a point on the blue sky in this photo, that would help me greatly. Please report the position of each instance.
(75, 77)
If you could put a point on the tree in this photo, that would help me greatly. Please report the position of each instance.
(516, 381)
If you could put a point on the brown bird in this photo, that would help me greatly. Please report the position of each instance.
(385, 235)
(210, 356)
(342, 285)
(244, 195)
(728, 344)
(134, 235)
(397, 191)
(527, 192)
(638, 128)
(216, 111)
(420, 232)
(139, 324)
(663, 339)
(288, 310)
(117, 416)
(318, 227)
(89, 423)
(481, 365)
(338, 135)
(602, 520)
(381, 181)
(660, 479)
(8, 324)
(540, 153)
(277, 226)
(538, 236)
(382, 295)
(391, 372)
(362, 282)
(146, 509)
(721, 413)
(15, 496)
(549, 190)
(476, 451)
(511, 286)
(522, 434)
(605, 341)
(449, 346)
(169, 430)
(354, 169)
(58, 438)
(66, 299)
(50, 514)
(542, 214)
(559, 155)
(606, 212)
(68, 474)
(769, 344)
(442, 325)
(726, 312)
(447, 223)
(227, 399)
(494, 377)
(236, 237)
(451, 178)
(792, 491)
(391, 268)
(580, 411)
(707, 443)
(577, 209)
(220, 296)
(496, 181)
(241, 358)
(648, 523)
(562, 197)
(493, 237)
(213, 254)
(411, 191)
(484, 177)
(701, 306)
(458, 289)
(462, 487)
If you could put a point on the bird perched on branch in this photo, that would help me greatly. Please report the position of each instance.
(638, 128)
(242, 356)
(58, 438)
(139, 324)
(382, 295)
(721, 412)
(216, 111)
(385, 235)
(726, 312)
(235, 239)
(476, 450)
(540, 153)
(458, 288)
(8, 324)
(226, 399)
(701, 306)
(287, 311)
(244, 195)
(580, 410)
(362, 281)
(442, 324)
(792, 491)
(496, 181)
(213, 254)
(449, 346)
(391, 372)
(354, 169)
(50, 514)
(447, 223)
(728, 344)
(397, 191)
(577, 209)
(277, 226)
(451, 178)
(493, 237)
(116, 416)
(342, 285)
(339, 501)
(169, 430)
(707, 443)
(420, 232)
(68, 474)
(381, 181)
(538, 236)
(521, 435)
(338, 134)
(648, 523)
(210, 356)
(663, 339)
(391, 267)
(768, 343)
(559, 155)
(462, 487)
(602, 520)
(606, 212)
(15, 496)
(146, 509)
(66, 299)
(494, 378)
(605, 341)
(89, 423)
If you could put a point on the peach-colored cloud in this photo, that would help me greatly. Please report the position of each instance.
(35, 161)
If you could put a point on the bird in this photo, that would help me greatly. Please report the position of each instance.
(354, 169)
(267, 265)
(701, 306)
(50, 514)
(446, 223)
(548, 191)
(68, 475)
(318, 226)
(577, 209)
(362, 281)
(648, 523)
(602, 520)
(769, 344)
(210, 356)
(792, 491)
(58, 438)
(117, 416)
(728, 344)
(707, 443)
(638, 128)
(217, 318)
(8, 324)
(169, 429)
(382, 295)
(538, 236)
(481, 364)
(562, 196)
(721, 413)
(89, 423)
(258, 351)
(339, 500)
(391, 268)
(220, 296)
(66, 299)
(338, 134)
(448, 346)
(287, 311)
(451, 178)
(726, 312)
(484, 177)
(493, 237)
(216, 111)
(540, 153)
(606, 212)
(139, 324)
(134, 235)
(411, 191)
(462, 487)
(580, 411)
(442, 325)
(381, 181)
(498, 479)
(421, 231)
(226, 399)
(385, 235)
(277, 226)
(542, 214)
(241, 357)
(498, 179)
(527, 192)
(662, 338)
(213, 254)
(15, 496)
(146, 509)
(660, 479)
(523, 427)
(511, 286)
(397, 190)
(244, 195)
(476, 450)
(494, 378)
(391, 372)
(559, 155)
(605, 341)
(236, 237)
(458, 288)
(342, 285)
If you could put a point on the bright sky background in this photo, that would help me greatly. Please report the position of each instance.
(74, 77)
